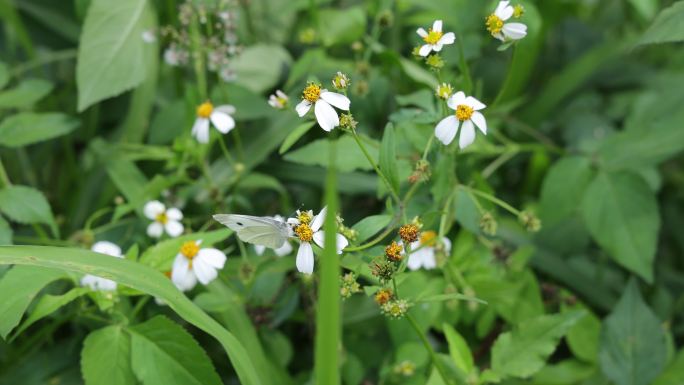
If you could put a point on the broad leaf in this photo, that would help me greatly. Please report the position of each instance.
(342, 25)
(259, 67)
(5, 232)
(29, 128)
(349, 156)
(667, 27)
(27, 93)
(161, 255)
(565, 181)
(4, 75)
(458, 349)
(294, 136)
(48, 304)
(369, 226)
(106, 357)
(25, 204)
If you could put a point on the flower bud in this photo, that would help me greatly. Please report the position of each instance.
(341, 81)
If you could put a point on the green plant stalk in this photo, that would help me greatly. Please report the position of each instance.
(198, 58)
(463, 65)
(428, 347)
(493, 199)
(328, 326)
(375, 167)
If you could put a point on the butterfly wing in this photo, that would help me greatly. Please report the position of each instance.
(262, 231)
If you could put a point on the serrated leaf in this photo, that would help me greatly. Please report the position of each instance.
(27, 93)
(163, 353)
(349, 156)
(667, 26)
(28, 128)
(106, 357)
(524, 351)
(388, 156)
(18, 287)
(621, 213)
(294, 136)
(633, 346)
(110, 54)
(25, 204)
(48, 304)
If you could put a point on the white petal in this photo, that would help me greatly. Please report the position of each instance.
(284, 250)
(174, 214)
(181, 274)
(200, 130)
(415, 260)
(429, 260)
(281, 94)
(474, 103)
(499, 36)
(447, 245)
(318, 220)
(325, 115)
(421, 32)
(425, 50)
(226, 109)
(155, 230)
(305, 258)
(448, 38)
(467, 134)
(97, 283)
(303, 107)
(319, 238)
(108, 248)
(437, 26)
(259, 249)
(515, 31)
(456, 99)
(212, 257)
(153, 208)
(504, 11)
(222, 121)
(173, 228)
(446, 129)
(337, 100)
(437, 47)
(479, 121)
(204, 272)
(340, 243)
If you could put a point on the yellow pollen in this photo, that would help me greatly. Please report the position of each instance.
(464, 112)
(189, 249)
(433, 36)
(204, 110)
(304, 232)
(393, 252)
(312, 92)
(304, 217)
(494, 24)
(428, 238)
(161, 218)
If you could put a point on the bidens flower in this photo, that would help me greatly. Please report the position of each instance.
(505, 31)
(282, 251)
(98, 283)
(218, 116)
(444, 90)
(194, 264)
(434, 38)
(322, 100)
(163, 220)
(467, 112)
(278, 100)
(307, 228)
(425, 249)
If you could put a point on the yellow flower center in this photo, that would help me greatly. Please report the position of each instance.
(464, 112)
(518, 11)
(393, 251)
(190, 249)
(304, 232)
(161, 218)
(433, 36)
(494, 24)
(304, 217)
(428, 238)
(312, 92)
(205, 109)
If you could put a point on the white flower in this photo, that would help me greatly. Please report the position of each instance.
(218, 116)
(307, 228)
(322, 100)
(434, 38)
(149, 36)
(174, 56)
(278, 100)
(467, 112)
(505, 31)
(163, 220)
(424, 254)
(194, 264)
(98, 283)
(444, 91)
(282, 251)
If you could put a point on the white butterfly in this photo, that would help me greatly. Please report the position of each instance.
(263, 231)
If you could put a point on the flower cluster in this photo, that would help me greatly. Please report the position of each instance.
(307, 228)
(349, 285)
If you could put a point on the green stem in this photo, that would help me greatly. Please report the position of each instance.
(198, 58)
(225, 151)
(428, 146)
(428, 347)
(493, 199)
(375, 166)
(49, 57)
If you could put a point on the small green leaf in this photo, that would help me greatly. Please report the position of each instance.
(27, 93)
(667, 26)
(259, 67)
(48, 304)
(566, 180)
(28, 128)
(4, 75)
(583, 338)
(388, 156)
(342, 25)
(458, 349)
(369, 226)
(633, 346)
(349, 156)
(418, 73)
(294, 136)
(25, 204)
(106, 357)
(5, 232)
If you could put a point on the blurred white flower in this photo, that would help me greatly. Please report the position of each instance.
(98, 283)
(307, 228)
(175, 57)
(163, 220)
(278, 100)
(194, 264)
(149, 36)
(467, 116)
(497, 26)
(425, 248)
(434, 38)
(322, 100)
(219, 116)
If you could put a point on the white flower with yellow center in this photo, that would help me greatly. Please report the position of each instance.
(164, 220)
(194, 264)
(307, 228)
(278, 100)
(218, 116)
(98, 283)
(425, 249)
(434, 38)
(467, 115)
(322, 100)
(282, 251)
(444, 91)
(497, 26)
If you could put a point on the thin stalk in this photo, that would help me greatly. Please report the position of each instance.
(47, 58)
(494, 200)
(375, 166)
(428, 347)
(198, 58)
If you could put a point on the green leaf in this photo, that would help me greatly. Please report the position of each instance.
(259, 67)
(25, 204)
(138, 277)
(524, 351)
(28, 128)
(111, 56)
(369, 226)
(294, 136)
(418, 73)
(4, 75)
(349, 156)
(162, 352)
(340, 26)
(161, 255)
(388, 156)
(621, 213)
(48, 304)
(18, 287)
(672, 375)
(106, 357)
(633, 347)
(458, 349)
(5, 232)
(667, 26)
(566, 180)
(646, 8)
(583, 338)
(27, 93)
